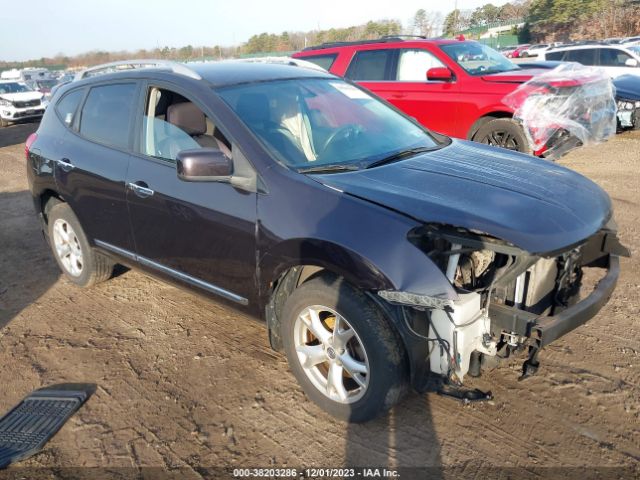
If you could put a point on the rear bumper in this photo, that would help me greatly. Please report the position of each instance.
(549, 329)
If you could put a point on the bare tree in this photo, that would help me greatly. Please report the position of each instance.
(426, 23)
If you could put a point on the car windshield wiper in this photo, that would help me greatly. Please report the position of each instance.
(399, 156)
(328, 169)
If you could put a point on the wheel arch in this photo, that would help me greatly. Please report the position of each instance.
(415, 349)
(47, 199)
(485, 118)
(294, 262)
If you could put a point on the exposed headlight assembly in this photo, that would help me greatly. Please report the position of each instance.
(625, 105)
(5, 103)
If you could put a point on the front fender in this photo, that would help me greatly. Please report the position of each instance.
(304, 222)
(342, 261)
(369, 262)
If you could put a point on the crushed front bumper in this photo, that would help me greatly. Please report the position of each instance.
(549, 329)
(543, 330)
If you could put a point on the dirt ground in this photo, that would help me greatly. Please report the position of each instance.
(184, 383)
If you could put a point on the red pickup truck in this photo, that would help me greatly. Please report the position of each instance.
(454, 87)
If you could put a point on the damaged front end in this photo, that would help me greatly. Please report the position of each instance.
(508, 300)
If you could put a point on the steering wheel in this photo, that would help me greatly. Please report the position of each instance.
(343, 133)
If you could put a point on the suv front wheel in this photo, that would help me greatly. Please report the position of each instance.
(342, 350)
(80, 263)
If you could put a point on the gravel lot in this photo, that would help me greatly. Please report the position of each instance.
(184, 383)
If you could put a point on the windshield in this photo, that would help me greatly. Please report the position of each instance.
(324, 123)
(46, 83)
(478, 59)
(635, 49)
(12, 87)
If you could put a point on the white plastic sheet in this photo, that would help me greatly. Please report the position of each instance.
(564, 107)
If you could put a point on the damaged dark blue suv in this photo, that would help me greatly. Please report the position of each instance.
(381, 255)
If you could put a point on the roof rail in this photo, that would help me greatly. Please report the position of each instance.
(112, 67)
(385, 39)
(400, 37)
(295, 62)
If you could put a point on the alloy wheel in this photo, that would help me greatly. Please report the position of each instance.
(331, 354)
(67, 247)
(501, 139)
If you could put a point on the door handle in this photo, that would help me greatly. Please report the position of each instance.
(65, 164)
(398, 95)
(140, 189)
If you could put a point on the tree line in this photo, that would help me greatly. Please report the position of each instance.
(554, 20)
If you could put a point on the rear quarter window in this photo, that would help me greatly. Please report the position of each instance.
(324, 61)
(68, 105)
(106, 114)
(612, 57)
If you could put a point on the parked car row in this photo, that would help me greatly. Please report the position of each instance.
(527, 50)
(25, 94)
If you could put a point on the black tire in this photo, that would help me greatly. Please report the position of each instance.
(387, 377)
(96, 267)
(504, 133)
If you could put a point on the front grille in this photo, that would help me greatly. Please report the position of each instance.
(28, 103)
(38, 111)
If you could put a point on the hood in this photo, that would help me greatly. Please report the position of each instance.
(513, 76)
(21, 96)
(532, 203)
(627, 87)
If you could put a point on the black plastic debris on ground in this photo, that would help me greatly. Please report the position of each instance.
(37, 418)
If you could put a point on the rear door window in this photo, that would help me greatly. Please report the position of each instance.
(555, 56)
(324, 61)
(106, 114)
(370, 65)
(68, 105)
(585, 56)
(414, 63)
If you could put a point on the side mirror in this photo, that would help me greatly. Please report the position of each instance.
(439, 74)
(203, 165)
(631, 62)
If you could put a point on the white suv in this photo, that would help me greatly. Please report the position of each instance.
(616, 60)
(17, 102)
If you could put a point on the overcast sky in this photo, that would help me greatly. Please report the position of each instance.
(44, 28)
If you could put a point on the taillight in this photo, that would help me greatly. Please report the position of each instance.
(32, 138)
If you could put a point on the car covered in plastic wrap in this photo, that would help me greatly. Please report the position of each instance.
(565, 107)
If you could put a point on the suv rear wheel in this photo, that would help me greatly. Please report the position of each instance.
(342, 350)
(80, 263)
(504, 133)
